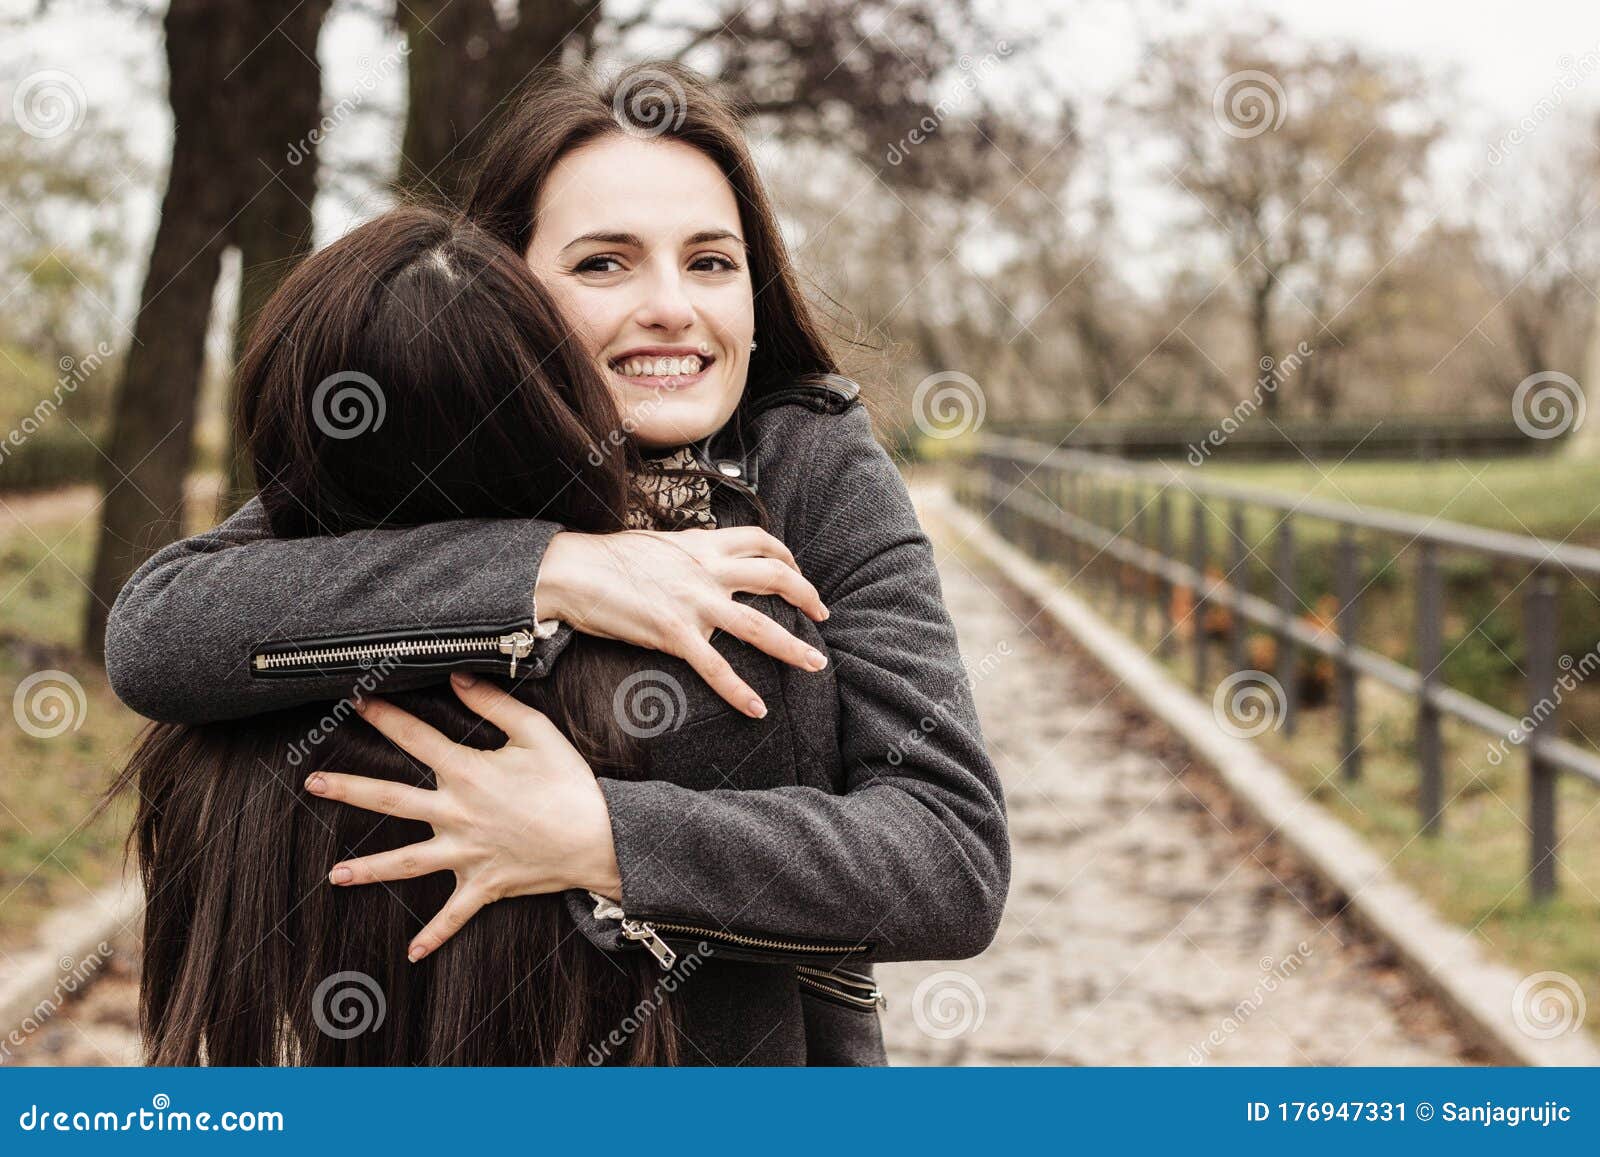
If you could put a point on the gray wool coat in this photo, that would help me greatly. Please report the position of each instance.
(767, 863)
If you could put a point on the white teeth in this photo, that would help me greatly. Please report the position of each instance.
(660, 367)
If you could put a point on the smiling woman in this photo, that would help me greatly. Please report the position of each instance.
(778, 843)
(661, 290)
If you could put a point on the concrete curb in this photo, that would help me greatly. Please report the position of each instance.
(1441, 955)
(66, 956)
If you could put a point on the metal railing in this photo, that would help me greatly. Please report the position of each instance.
(1076, 507)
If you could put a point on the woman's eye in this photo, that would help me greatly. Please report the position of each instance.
(712, 263)
(599, 264)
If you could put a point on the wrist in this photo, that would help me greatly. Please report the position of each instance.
(553, 586)
(597, 868)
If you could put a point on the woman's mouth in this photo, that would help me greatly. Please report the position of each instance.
(662, 373)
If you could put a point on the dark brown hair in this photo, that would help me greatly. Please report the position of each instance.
(564, 110)
(465, 401)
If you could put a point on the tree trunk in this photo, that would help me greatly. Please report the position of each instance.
(152, 426)
(229, 63)
(453, 47)
(276, 231)
(1584, 441)
(1261, 337)
(462, 67)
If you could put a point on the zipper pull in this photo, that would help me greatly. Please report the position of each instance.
(605, 908)
(519, 645)
(659, 948)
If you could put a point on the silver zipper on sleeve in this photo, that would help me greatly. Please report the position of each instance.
(860, 992)
(606, 908)
(518, 645)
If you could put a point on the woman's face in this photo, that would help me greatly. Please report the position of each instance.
(639, 239)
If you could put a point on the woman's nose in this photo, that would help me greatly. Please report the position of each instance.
(666, 304)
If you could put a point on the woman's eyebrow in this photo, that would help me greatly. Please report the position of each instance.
(706, 236)
(606, 238)
(609, 237)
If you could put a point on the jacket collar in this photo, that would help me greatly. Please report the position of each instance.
(728, 451)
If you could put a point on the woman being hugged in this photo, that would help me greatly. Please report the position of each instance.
(249, 957)
(820, 822)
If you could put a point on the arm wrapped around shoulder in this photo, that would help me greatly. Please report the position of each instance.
(181, 634)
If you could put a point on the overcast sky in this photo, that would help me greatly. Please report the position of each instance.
(1504, 58)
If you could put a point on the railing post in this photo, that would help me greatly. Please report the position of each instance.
(1164, 587)
(1540, 624)
(1076, 509)
(1239, 578)
(1058, 495)
(1430, 786)
(1197, 560)
(1114, 528)
(1097, 503)
(1038, 532)
(1287, 651)
(1141, 594)
(1347, 574)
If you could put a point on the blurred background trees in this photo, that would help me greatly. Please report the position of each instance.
(951, 197)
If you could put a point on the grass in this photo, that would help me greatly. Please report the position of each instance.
(50, 855)
(1550, 497)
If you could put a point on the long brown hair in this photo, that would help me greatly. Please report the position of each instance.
(564, 109)
(448, 361)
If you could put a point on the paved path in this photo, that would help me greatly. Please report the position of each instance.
(1140, 928)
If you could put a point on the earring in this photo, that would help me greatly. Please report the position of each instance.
(752, 347)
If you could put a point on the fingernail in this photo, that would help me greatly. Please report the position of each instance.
(824, 613)
(315, 782)
(815, 659)
(462, 679)
(361, 706)
(758, 709)
(341, 875)
(415, 954)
